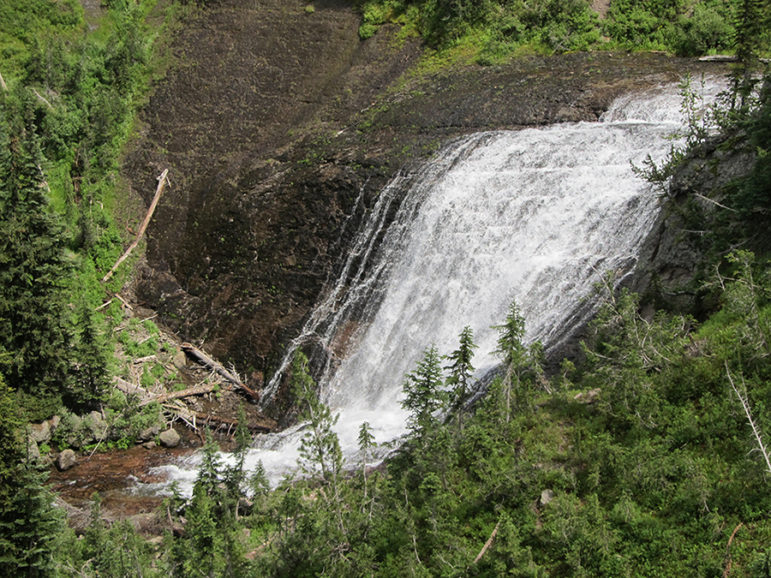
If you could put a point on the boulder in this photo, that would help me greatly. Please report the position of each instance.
(546, 497)
(40, 432)
(180, 360)
(97, 426)
(66, 459)
(170, 438)
(74, 425)
(149, 432)
(33, 452)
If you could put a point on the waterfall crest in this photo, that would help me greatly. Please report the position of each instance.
(536, 215)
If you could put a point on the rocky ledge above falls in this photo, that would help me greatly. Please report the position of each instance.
(273, 120)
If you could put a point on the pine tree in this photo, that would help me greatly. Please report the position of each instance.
(366, 443)
(320, 448)
(752, 19)
(29, 523)
(513, 352)
(33, 272)
(423, 394)
(461, 374)
(90, 372)
(320, 453)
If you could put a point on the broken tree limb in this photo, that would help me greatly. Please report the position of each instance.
(197, 418)
(197, 390)
(265, 425)
(217, 367)
(130, 389)
(727, 570)
(489, 543)
(42, 99)
(744, 400)
(3, 85)
(161, 184)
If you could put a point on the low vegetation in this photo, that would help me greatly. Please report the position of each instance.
(494, 30)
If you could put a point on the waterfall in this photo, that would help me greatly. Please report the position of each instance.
(536, 215)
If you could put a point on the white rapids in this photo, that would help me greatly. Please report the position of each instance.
(534, 215)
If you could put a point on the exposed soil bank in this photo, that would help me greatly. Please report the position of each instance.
(274, 119)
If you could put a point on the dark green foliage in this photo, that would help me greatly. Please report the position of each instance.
(211, 545)
(461, 373)
(114, 549)
(423, 394)
(752, 197)
(33, 270)
(90, 374)
(28, 523)
(521, 365)
(320, 449)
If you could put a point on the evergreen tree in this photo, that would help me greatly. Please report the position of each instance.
(461, 373)
(366, 443)
(33, 271)
(513, 352)
(752, 20)
(320, 448)
(211, 544)
(423, 394)
(90, 371)
(29, 523)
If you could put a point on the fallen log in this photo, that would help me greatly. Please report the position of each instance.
(489, 543)
(161, 183)
(130, 389)
(196, 418)
(197, 390)
(203, 359)
(265, 425)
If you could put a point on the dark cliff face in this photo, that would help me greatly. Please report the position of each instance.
(672, 264)
(272, 121)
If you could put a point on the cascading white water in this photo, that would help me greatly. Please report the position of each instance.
(535, 215)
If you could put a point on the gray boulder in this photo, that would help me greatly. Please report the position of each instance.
(149, 432)
(66, 460)
(97, 426)
(170, 438)
(33, 452)
(40, 432)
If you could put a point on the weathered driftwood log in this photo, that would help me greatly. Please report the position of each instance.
(197, 390)
(262, 425)
(205, 360)
(130, 389)
(161, 183)
(194, 419)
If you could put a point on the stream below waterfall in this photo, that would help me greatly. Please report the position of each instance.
(536, 215)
